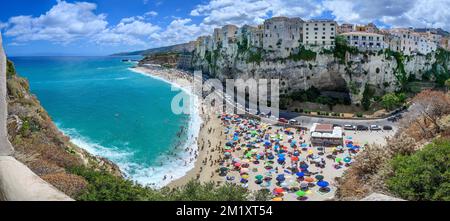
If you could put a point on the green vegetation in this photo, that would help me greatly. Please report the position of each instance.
(440, 68)
(243, 47)
(105, 187)
(391, 101)
(424, 175)
(354, 89)
(368, 94)
(313, 95)
(10, 69)
(303, 55)
(255, 57)
(342, 48)
(400, 72)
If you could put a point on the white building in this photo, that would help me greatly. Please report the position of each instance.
(319, 33)
(365, 41)
(326, 135)
(409, 42)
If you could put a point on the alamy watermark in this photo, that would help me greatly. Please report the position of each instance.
(258, 97)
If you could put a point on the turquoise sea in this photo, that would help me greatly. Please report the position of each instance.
(115, 113)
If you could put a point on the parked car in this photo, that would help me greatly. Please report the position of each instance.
(283, 120)
(375, 127)
(387, 127)
(362, 127)
(349, 127)
(293, 122)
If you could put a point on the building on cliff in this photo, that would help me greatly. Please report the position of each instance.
(319, 33)
(365, 41)
(282, 35)
(410, 42)
(345, 28)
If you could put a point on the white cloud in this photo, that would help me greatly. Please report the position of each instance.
(151, 13)
(64, 23)
(220, 12)
(180, 31)
(401, 13)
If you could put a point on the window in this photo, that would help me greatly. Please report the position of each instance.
(316, 29)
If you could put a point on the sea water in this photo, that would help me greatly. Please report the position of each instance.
(113, 112)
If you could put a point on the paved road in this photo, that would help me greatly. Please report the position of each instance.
(5, 146)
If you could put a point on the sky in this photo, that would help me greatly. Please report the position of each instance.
(103, 27)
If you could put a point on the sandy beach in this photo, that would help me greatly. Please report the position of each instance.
(210, 139)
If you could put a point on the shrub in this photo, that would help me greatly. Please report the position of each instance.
(303, 54)
(424, 175)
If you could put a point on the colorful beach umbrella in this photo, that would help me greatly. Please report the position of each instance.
(323, 184)
(300, 193)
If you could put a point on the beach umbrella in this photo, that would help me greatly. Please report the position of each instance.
(244, 170)
(278, 190)
(323, 184)
(309, 179)
(277, 199)
(259, 177)
(300, 193)
(294, 158)
(237, 164)
(300, 174)
(245, 176)
(223, 169)
(304, 166)
(338, 160)
(280, 178)
(319, 177)
(347, 159)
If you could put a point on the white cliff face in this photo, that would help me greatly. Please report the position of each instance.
(325, 72)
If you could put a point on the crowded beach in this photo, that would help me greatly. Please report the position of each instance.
(292, 163)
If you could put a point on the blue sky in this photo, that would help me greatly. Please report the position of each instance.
(102, 27)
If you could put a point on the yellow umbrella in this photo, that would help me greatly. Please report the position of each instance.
(277, 199)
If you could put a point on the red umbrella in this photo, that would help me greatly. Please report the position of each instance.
(279, 190)
(294, 158)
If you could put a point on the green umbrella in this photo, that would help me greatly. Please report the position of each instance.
(259, 177)
(338, 160)
(300, 193)
(319, 177)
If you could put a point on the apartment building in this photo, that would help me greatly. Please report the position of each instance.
(409, 42)
(319, 33)
(365, 41)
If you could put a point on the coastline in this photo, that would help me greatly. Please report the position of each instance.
(209, 138)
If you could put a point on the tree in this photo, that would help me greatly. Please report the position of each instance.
(424, 175)
(390, 101)
(430, 106)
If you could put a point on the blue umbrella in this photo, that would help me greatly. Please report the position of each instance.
(300, 174)
(323, 184)
(280, 178)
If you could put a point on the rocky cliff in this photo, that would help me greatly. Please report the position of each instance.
(384, 71)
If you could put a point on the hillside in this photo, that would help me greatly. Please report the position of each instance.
(186, 47)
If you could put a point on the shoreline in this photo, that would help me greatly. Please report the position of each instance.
(209, 139)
